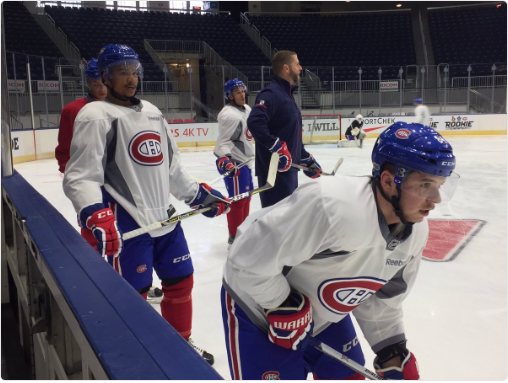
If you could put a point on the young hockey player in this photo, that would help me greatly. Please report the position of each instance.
(276, 125)
(124, 167)
(301, 267)
(234, 146)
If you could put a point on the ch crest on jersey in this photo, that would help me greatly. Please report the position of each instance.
(342, 295)
(248, 134)
(145, 148)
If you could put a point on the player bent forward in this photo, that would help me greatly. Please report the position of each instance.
(124, 166)
(300, 267)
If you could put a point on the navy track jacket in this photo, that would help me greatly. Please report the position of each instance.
(276, 115)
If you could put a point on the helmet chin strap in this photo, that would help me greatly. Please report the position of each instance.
(395, 202)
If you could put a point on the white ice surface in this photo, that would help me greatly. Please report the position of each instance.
(456, 315)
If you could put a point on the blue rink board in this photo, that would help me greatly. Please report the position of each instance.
(130, 339)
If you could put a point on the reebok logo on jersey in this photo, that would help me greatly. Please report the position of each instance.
(154, 118)
(145, 148)
(271, 375)
(395, 262)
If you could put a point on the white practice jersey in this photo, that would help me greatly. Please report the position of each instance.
(132, 153)
(234, 139)
(422, 114)
(329, 241)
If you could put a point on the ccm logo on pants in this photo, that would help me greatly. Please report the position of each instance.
(181, 259)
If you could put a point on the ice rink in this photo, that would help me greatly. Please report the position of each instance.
(456, 315)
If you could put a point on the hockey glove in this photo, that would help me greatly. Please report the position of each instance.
(102, 222)
(291, 323)
(208, 197)
(281, 149)
(408, 370)
(225, 166)
(314, 168)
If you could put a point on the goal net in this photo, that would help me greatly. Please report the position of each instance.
(321, 128)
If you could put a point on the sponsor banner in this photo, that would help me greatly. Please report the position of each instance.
(48, 86)
(323, 127)
(457, 122)
(18, 85)
(443, 124)
(389, 86)
(195, 132)
(376, 124)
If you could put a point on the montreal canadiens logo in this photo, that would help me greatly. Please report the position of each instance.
(248, 134)
(145, 148)
(403, 133)
(342, 295)
(141, 269)
(271, 375)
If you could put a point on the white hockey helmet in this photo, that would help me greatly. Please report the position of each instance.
(359, 117)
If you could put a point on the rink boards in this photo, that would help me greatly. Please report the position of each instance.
(28, 144)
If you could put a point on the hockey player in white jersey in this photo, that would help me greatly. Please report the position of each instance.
(300, 267)
(422, 112)
(124, 167)
(234, 146)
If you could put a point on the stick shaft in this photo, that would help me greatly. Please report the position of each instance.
(344, 360)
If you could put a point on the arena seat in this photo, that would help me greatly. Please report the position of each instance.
(460, 36)
(343, 40)
(85, 29)
(25, 37)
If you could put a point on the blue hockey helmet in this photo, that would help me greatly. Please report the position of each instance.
(415, 147)
(233, 84)
(117, 54)
(91, 70)
(418, 101)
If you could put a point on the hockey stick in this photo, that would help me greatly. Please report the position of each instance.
(304, 168)
(230, 171)
(270, 182)
(327, 350)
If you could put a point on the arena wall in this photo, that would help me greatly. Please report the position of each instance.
(28, 145)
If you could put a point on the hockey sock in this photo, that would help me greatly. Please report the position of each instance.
(144, 291)
(176, 305)
(246, 208)
(236, 215)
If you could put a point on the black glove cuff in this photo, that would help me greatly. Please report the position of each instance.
(392, 351)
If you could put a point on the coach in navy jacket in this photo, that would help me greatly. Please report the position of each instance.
(276, 125)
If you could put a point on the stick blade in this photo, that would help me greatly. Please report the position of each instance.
(272, 170)
(339, 162)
